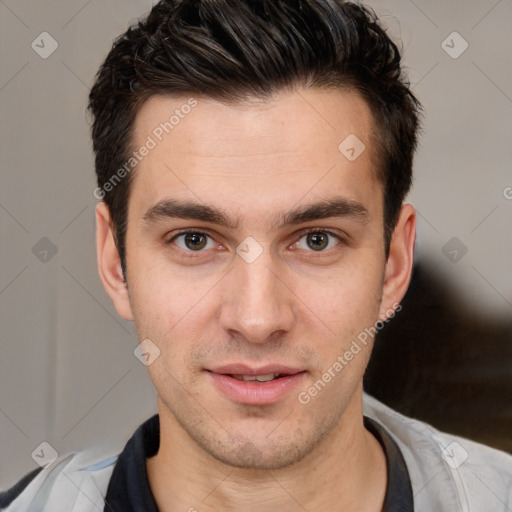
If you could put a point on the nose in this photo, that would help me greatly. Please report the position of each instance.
(257, 304)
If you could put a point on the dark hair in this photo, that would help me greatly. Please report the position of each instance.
(231, 50)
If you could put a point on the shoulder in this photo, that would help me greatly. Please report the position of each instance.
(70, 483)
(447, 471)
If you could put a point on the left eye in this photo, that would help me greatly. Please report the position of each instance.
(193, 241)
(318, 241)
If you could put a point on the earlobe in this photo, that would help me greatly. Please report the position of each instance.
(400, 260)
(109, 262)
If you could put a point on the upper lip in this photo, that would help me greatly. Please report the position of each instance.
(244, 369)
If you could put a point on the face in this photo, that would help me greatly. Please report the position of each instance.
(255, 259)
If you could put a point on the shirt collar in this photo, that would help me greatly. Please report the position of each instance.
(399, 496)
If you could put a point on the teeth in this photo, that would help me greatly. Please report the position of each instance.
(265, 378)
(259, 378)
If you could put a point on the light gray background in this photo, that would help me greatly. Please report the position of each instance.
(68, 375)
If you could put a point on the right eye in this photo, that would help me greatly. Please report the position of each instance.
(193, 241)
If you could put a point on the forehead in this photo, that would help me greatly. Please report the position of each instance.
(300, 145)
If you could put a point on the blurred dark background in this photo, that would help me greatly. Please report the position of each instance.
(445, 365)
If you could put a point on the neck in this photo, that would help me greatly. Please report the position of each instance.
(347, 468)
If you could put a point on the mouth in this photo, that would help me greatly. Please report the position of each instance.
(258, 378)
(255, 386)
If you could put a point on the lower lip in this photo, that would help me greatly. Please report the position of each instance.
(255, 393)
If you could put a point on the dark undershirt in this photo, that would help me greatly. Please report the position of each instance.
(8, 496)
(129, 490)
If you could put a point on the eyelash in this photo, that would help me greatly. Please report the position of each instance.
(303, 233)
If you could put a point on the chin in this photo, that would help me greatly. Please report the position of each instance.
(251, 453)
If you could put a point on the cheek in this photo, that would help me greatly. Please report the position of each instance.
(164, 293)
(347, 300)
(171, 308)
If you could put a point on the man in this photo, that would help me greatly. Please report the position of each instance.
(253, 158)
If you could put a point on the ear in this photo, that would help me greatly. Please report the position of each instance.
(109, 262)
(397, 275)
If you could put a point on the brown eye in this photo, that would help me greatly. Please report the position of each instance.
(193, 241)
(317, 241)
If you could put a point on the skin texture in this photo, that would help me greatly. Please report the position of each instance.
(256, 161)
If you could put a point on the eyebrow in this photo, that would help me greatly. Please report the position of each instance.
(335, 207)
